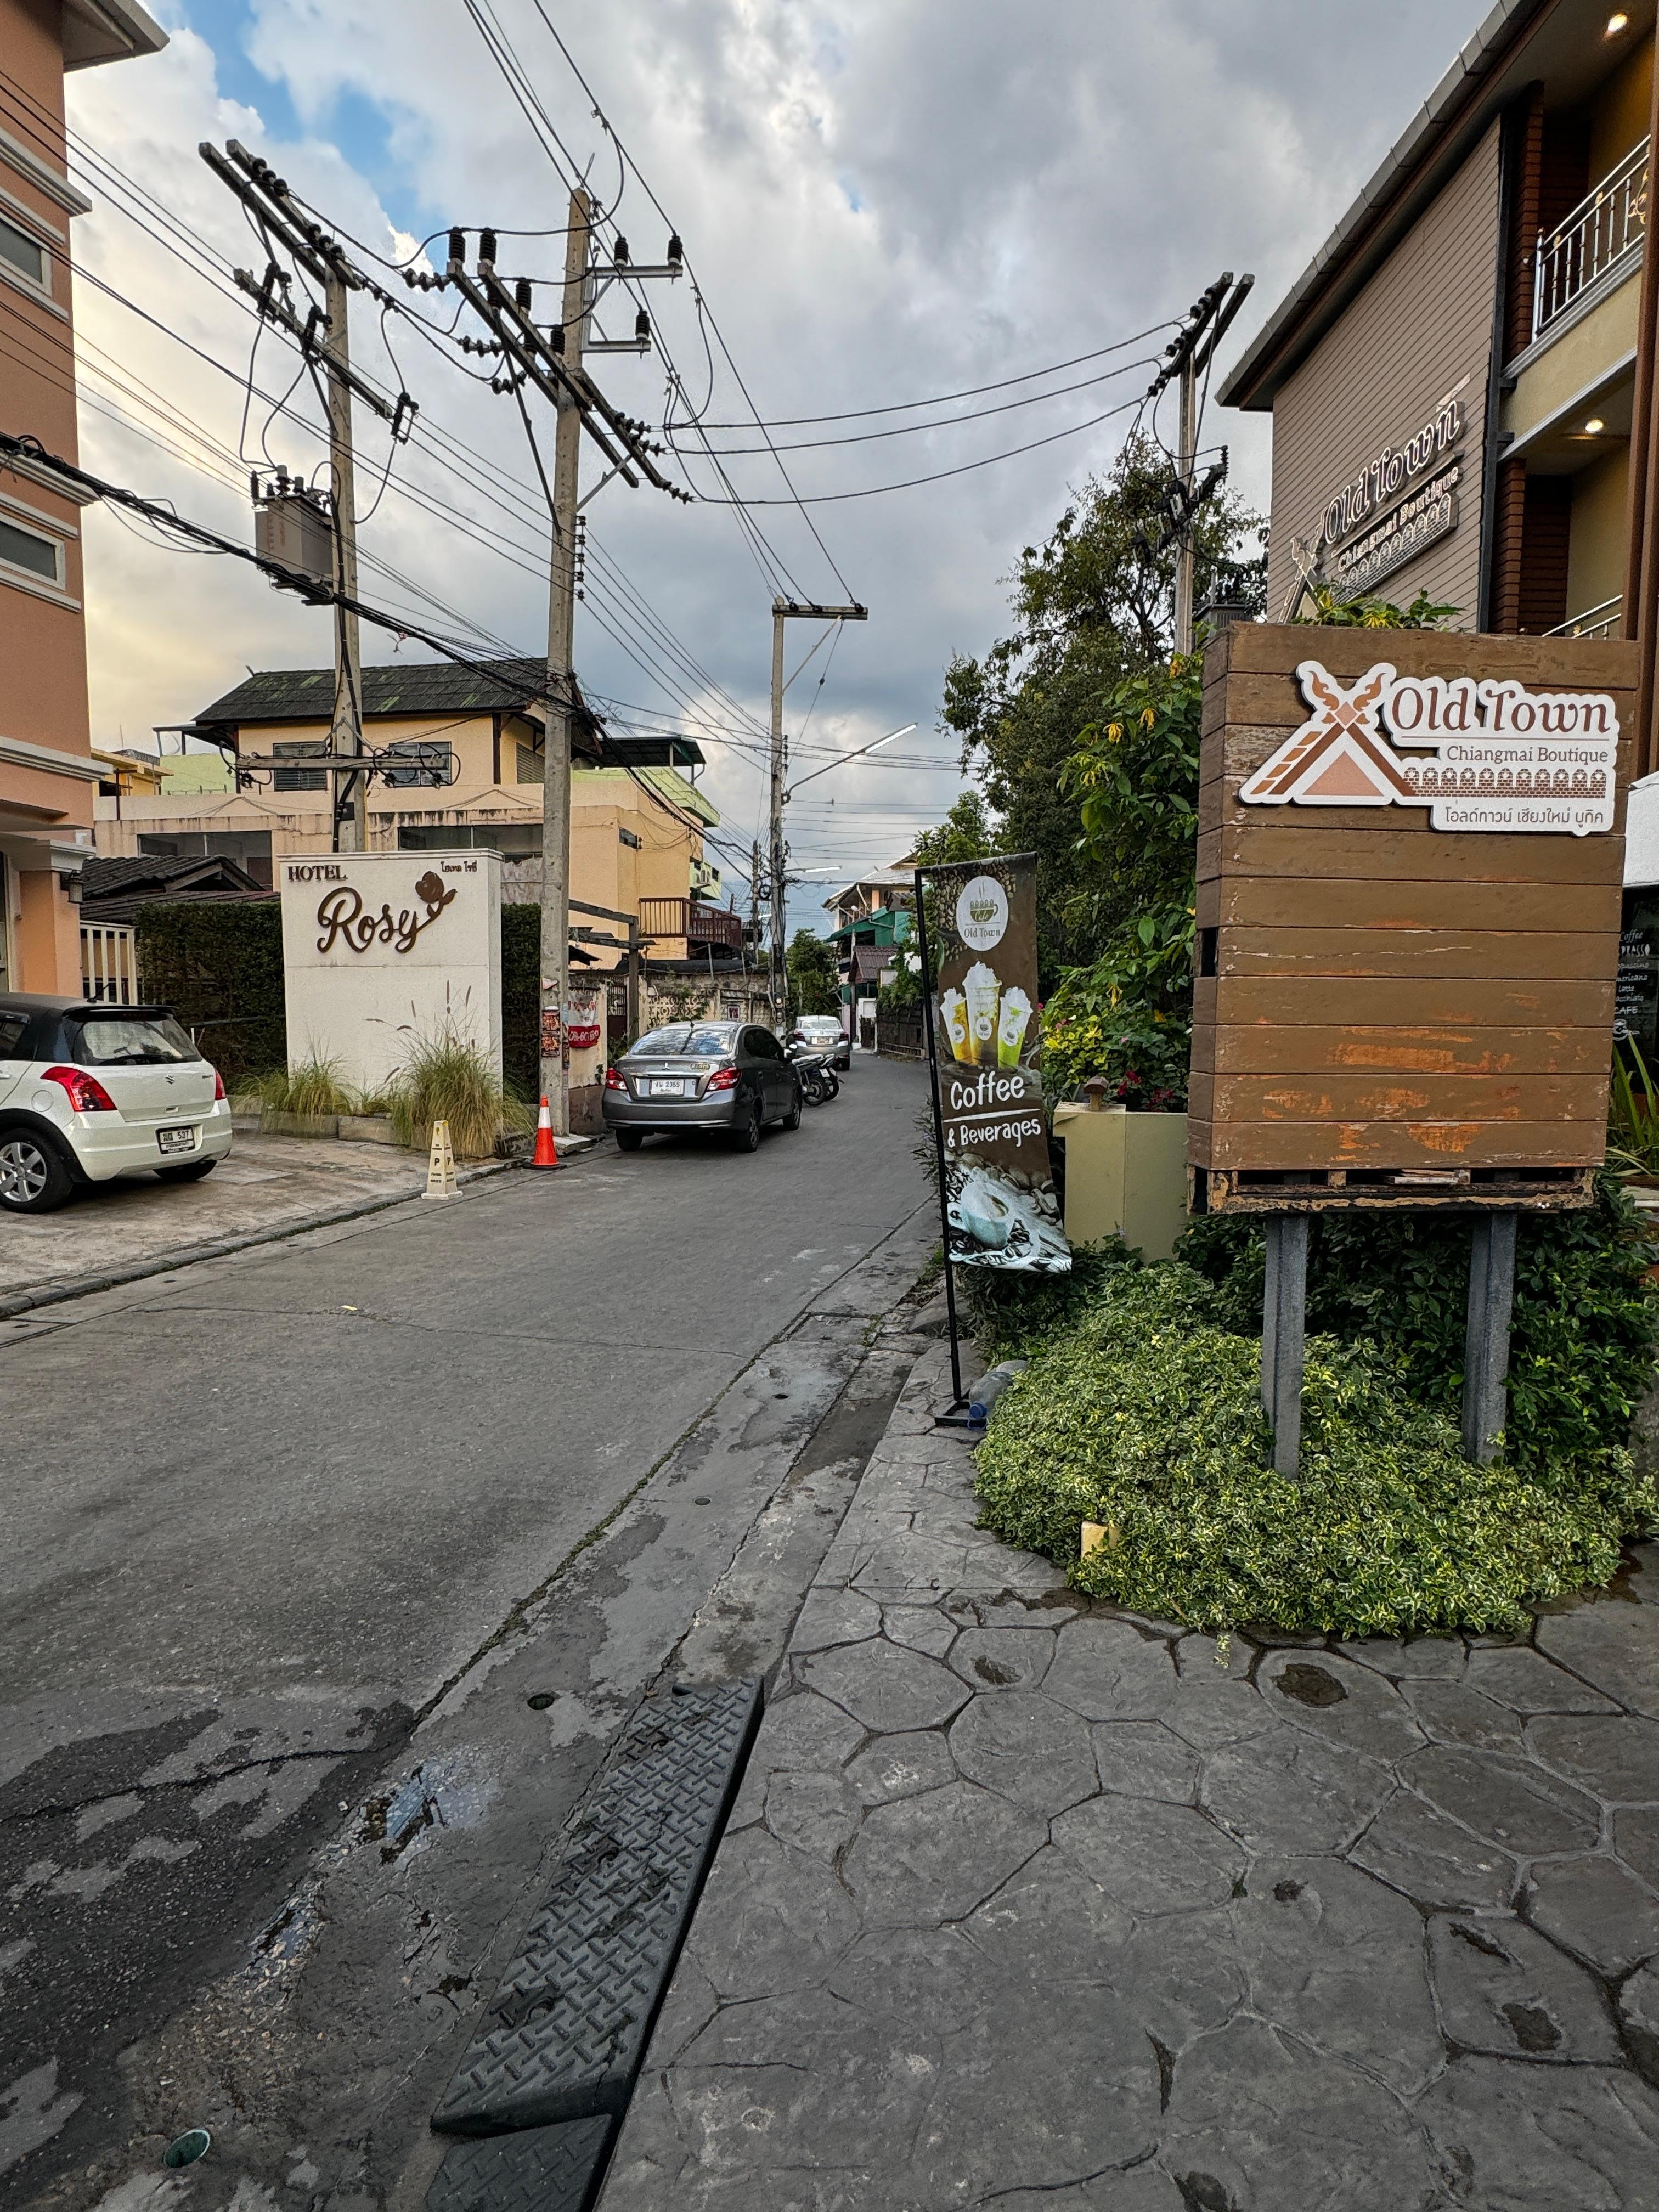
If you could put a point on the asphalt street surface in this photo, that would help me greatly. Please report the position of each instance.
(291, 1537)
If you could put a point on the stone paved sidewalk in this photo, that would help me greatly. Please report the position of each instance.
(1030, 1902)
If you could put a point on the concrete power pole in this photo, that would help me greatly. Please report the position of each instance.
(346, 731)
(1186, 464)
(561, 681)
(784, 611)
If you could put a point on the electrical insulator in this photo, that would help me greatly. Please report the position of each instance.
(556, 337)
(676, 251)
(521, 295)
(486, 249)
(642, 327)
(619, 253)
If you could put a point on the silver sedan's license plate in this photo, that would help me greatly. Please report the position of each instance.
(671, 1087)
(176, 1140)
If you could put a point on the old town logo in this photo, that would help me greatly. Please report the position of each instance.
(1498, 757)
(344, 918)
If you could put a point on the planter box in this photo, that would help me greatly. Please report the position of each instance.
(273, 1124)
(365, 1129)
(1126, 1176)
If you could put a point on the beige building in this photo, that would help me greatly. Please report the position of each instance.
(47, 773)
(637, 819)
(1451, 378)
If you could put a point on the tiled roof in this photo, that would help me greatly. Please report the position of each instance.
(115, 875)
(405, 686)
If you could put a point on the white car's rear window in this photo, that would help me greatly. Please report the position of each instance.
(132, 1040)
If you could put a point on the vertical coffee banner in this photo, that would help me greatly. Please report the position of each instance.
(1001, 1204)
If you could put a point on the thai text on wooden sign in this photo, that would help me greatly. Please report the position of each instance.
(1383, 1014)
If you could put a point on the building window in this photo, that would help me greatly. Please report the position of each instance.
(627, 838)
(25, 255)
(514, 841)
(299, 778)
(531, 758)
(29, 551)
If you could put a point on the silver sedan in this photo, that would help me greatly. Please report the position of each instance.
(732, 1077)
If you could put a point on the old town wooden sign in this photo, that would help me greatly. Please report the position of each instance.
(1410, 866)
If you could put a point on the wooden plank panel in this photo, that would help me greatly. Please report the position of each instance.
(1315, 902)
(1590, 955)
(1546, 663)
(1261, 842)
(1304, 1049)
(1379, 1097)
(1274, 1146)
(1456, 1002)
(1207, 904)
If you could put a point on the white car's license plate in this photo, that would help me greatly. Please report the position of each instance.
(176, 1140)
(672, 1087)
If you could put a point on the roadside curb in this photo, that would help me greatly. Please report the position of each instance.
(189, 1255)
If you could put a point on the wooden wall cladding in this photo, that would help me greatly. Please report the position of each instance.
(1377, 997)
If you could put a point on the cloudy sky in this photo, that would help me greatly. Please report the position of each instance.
(882, 201)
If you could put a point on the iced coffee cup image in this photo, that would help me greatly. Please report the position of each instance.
(953, 1011)
(1012, 1025)
(981, 988)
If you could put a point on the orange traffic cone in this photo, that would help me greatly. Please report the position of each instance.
(546, 1154)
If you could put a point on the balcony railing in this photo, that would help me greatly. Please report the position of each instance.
(697, 924)
(1595, 622)
(1606, 224)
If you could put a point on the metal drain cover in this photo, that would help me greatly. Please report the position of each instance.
(532, 2170)
(566, 2032)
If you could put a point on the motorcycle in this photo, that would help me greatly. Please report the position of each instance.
(817, 1079)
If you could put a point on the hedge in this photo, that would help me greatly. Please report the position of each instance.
(219, 966)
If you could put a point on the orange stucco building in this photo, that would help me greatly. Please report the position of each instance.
(48, 776)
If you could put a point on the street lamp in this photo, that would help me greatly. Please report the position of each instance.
(856, 753)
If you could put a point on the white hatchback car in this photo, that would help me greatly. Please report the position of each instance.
(88, 1092)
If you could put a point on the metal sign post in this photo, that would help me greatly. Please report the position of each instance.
(958, 1400)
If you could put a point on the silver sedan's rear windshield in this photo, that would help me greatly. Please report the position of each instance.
(115, 1040)
(684, 1038)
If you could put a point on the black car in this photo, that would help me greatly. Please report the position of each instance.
(728, 1076)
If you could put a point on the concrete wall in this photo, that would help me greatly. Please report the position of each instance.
(362, 1004)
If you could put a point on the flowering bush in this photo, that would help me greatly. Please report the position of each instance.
(1141, 1051)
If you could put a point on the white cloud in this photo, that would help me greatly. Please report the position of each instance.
(883, 198)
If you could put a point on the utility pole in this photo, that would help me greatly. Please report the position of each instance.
(1187, 358)
(1186, 461)
(784, 611)
(551, 361)
(346, 731)
(323, 341)
(561, 678)
(755, 902)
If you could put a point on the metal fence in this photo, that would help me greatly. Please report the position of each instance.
(1607, 222)
(109, 963)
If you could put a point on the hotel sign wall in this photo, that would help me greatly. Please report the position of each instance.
(1385, 1015)
(1394, 529)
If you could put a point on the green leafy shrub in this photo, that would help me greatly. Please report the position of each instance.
(218, 963)
(1145, 1417)
(1142, 1051)
(1582, 1338)
(522, 998)
(1012, 1316)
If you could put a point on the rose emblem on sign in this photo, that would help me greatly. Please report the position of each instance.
(981, 913)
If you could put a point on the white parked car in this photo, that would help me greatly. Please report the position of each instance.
(88, 1092)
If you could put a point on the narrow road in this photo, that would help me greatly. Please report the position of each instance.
(270, 1516)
